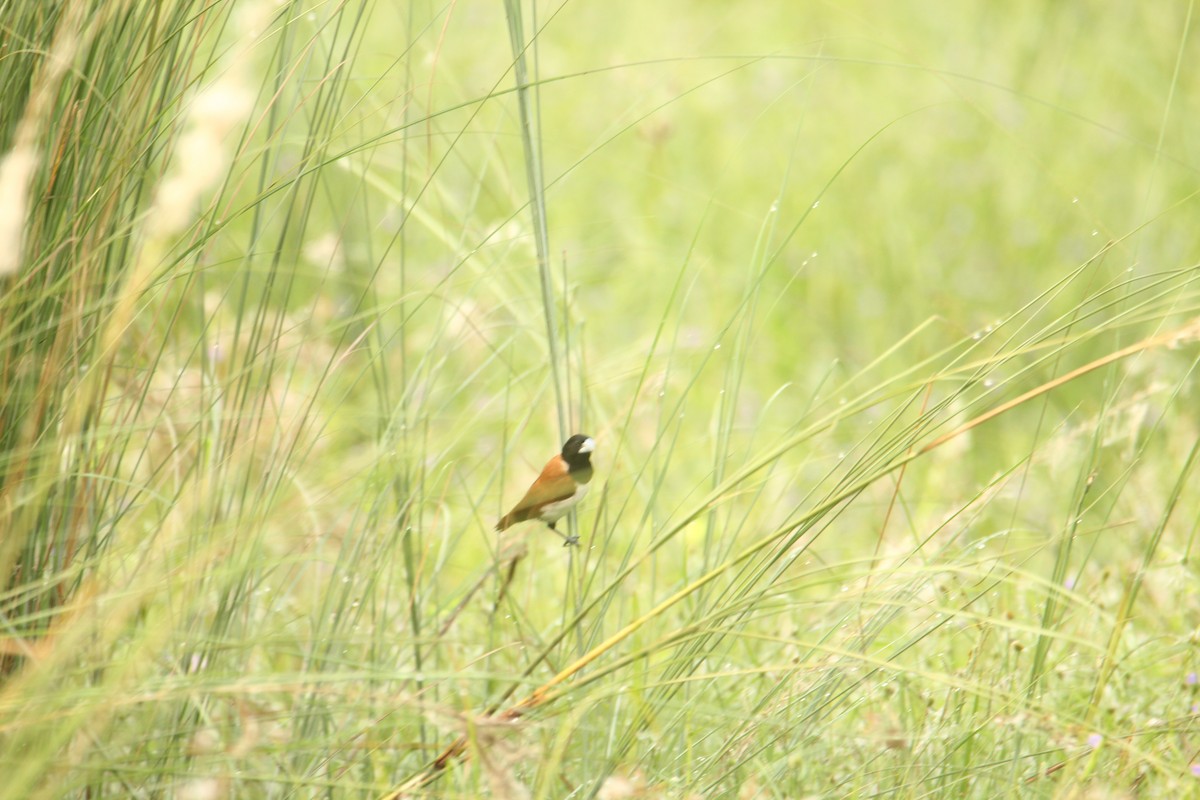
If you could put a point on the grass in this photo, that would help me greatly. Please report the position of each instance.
(885, 322)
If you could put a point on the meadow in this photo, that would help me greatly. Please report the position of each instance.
(884, 317)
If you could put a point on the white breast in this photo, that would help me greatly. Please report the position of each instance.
(552, 512)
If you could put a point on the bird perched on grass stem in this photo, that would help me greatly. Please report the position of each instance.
(562, 484)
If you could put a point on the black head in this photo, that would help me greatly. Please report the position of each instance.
(577, 451)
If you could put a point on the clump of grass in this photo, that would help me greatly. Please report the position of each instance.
(284, 319)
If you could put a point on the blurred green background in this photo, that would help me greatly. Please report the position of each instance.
(280, 344)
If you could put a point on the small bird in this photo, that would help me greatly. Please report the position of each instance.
(562, 484)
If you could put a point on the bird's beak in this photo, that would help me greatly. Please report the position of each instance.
(589, 444)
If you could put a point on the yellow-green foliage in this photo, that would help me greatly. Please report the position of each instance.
(883, 317)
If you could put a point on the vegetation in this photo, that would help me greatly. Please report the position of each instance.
(884, 317)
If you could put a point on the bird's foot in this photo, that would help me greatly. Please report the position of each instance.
(568, 541)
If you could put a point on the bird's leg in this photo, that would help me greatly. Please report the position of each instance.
(568, 541)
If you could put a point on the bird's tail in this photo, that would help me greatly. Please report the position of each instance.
(505, 522)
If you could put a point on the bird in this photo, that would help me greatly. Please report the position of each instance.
(562, 484)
